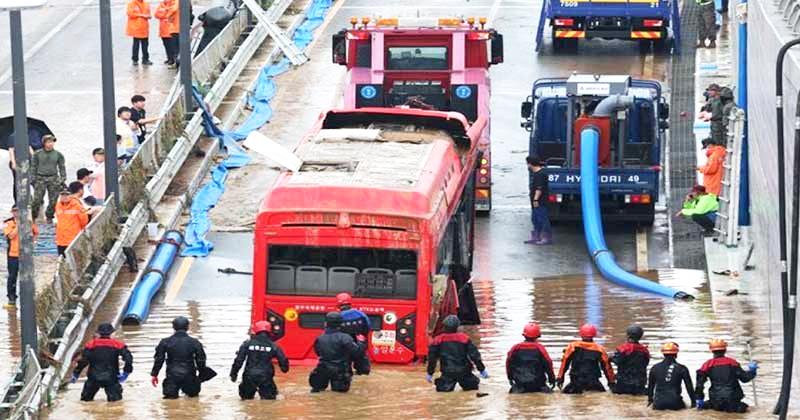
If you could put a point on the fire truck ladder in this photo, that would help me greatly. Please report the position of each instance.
(728, 214)
(286, 45)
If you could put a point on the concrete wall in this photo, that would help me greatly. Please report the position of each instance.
(767, 32)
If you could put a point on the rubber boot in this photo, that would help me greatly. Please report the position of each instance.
(534, 238)
(545, 239)
(713, 44)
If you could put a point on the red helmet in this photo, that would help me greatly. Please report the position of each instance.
(344, 298)
(262, 326)
(532, 330)
(587, 331)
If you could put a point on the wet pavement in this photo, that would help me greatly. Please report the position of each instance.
(555, 286)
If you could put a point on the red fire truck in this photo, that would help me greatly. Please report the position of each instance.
(383, 208)
(443, 67)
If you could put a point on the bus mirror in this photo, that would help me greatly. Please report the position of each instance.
(339, 48)
(525, 110)
(496, 48)
(663, 111)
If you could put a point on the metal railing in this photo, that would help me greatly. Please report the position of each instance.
(25, 385)
(790, 10)
(65, 308)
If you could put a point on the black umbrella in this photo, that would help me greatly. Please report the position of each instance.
(36, 129)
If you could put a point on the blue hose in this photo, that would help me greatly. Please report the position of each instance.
(153, 278)
(593, 224)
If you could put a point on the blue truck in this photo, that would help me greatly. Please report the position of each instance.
(645, 21)
(629, 153)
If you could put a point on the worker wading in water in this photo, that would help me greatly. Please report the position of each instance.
(725, 374)
(631, 359)
(354, 323)
(666, 378)
(584, 360)
(259, 373)
(457, 355)
(528, 366)
(336, 351)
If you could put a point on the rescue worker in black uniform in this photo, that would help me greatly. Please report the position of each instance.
(354, 323)
(258, 372)
(336, 351)
(102, 355)
(725, 374)
(666, 378)
(631, 359)
(184, 356)
(457, 355)
(528, 363)
(585, 359)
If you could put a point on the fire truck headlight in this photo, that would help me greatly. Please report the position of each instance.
(390, 318)
(290, 314)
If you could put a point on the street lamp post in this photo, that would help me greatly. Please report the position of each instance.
(22, 155)
(185, 53)
(109, 116)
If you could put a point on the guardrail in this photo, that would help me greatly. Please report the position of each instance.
(93, 260)
(790, 9)
(25, 385)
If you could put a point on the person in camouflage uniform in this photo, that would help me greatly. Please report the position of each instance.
(48, 176)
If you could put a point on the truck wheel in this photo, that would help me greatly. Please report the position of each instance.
(662, 46)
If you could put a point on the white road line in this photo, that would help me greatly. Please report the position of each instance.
(493, 10)
(48, 36)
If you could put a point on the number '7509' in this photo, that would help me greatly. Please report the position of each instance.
(569, 3)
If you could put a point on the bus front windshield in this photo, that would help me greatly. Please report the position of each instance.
(325, 271)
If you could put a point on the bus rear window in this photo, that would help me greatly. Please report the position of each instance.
(416, 58)
(326, 271)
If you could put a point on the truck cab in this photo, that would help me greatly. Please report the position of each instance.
(629, 153)
(443, 67)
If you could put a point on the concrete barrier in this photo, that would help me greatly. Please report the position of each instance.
(92, 262)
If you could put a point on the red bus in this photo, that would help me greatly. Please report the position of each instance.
(383, 208)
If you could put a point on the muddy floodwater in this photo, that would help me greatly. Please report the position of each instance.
(559, 304)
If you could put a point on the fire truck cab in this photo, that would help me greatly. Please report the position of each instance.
(441, 67)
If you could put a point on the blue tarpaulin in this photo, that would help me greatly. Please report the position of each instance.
(196, 244)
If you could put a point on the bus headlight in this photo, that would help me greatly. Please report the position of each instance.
(278, 323)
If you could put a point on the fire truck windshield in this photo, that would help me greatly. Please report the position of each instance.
(326, 271)
(416, 58)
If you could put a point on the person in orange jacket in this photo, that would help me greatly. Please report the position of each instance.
(167, 15)
(71, 216)
(138, 28)
(12, 254)
(712, 170)
(585, 359)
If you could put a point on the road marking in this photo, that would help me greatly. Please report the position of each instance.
(53, 32)
(493, 11)
(509, 6)
(180, 278)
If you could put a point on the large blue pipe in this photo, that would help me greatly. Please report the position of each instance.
(153, 278)
(593, 224)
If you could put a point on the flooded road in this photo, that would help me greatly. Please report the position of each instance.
(559, 304)
(556, 286)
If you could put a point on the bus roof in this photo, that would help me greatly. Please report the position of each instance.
(373, 161)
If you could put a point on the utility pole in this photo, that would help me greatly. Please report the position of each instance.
(22, 155)
(109, 115)
(185, 55)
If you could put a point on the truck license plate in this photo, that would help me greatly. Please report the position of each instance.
(383, 338)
